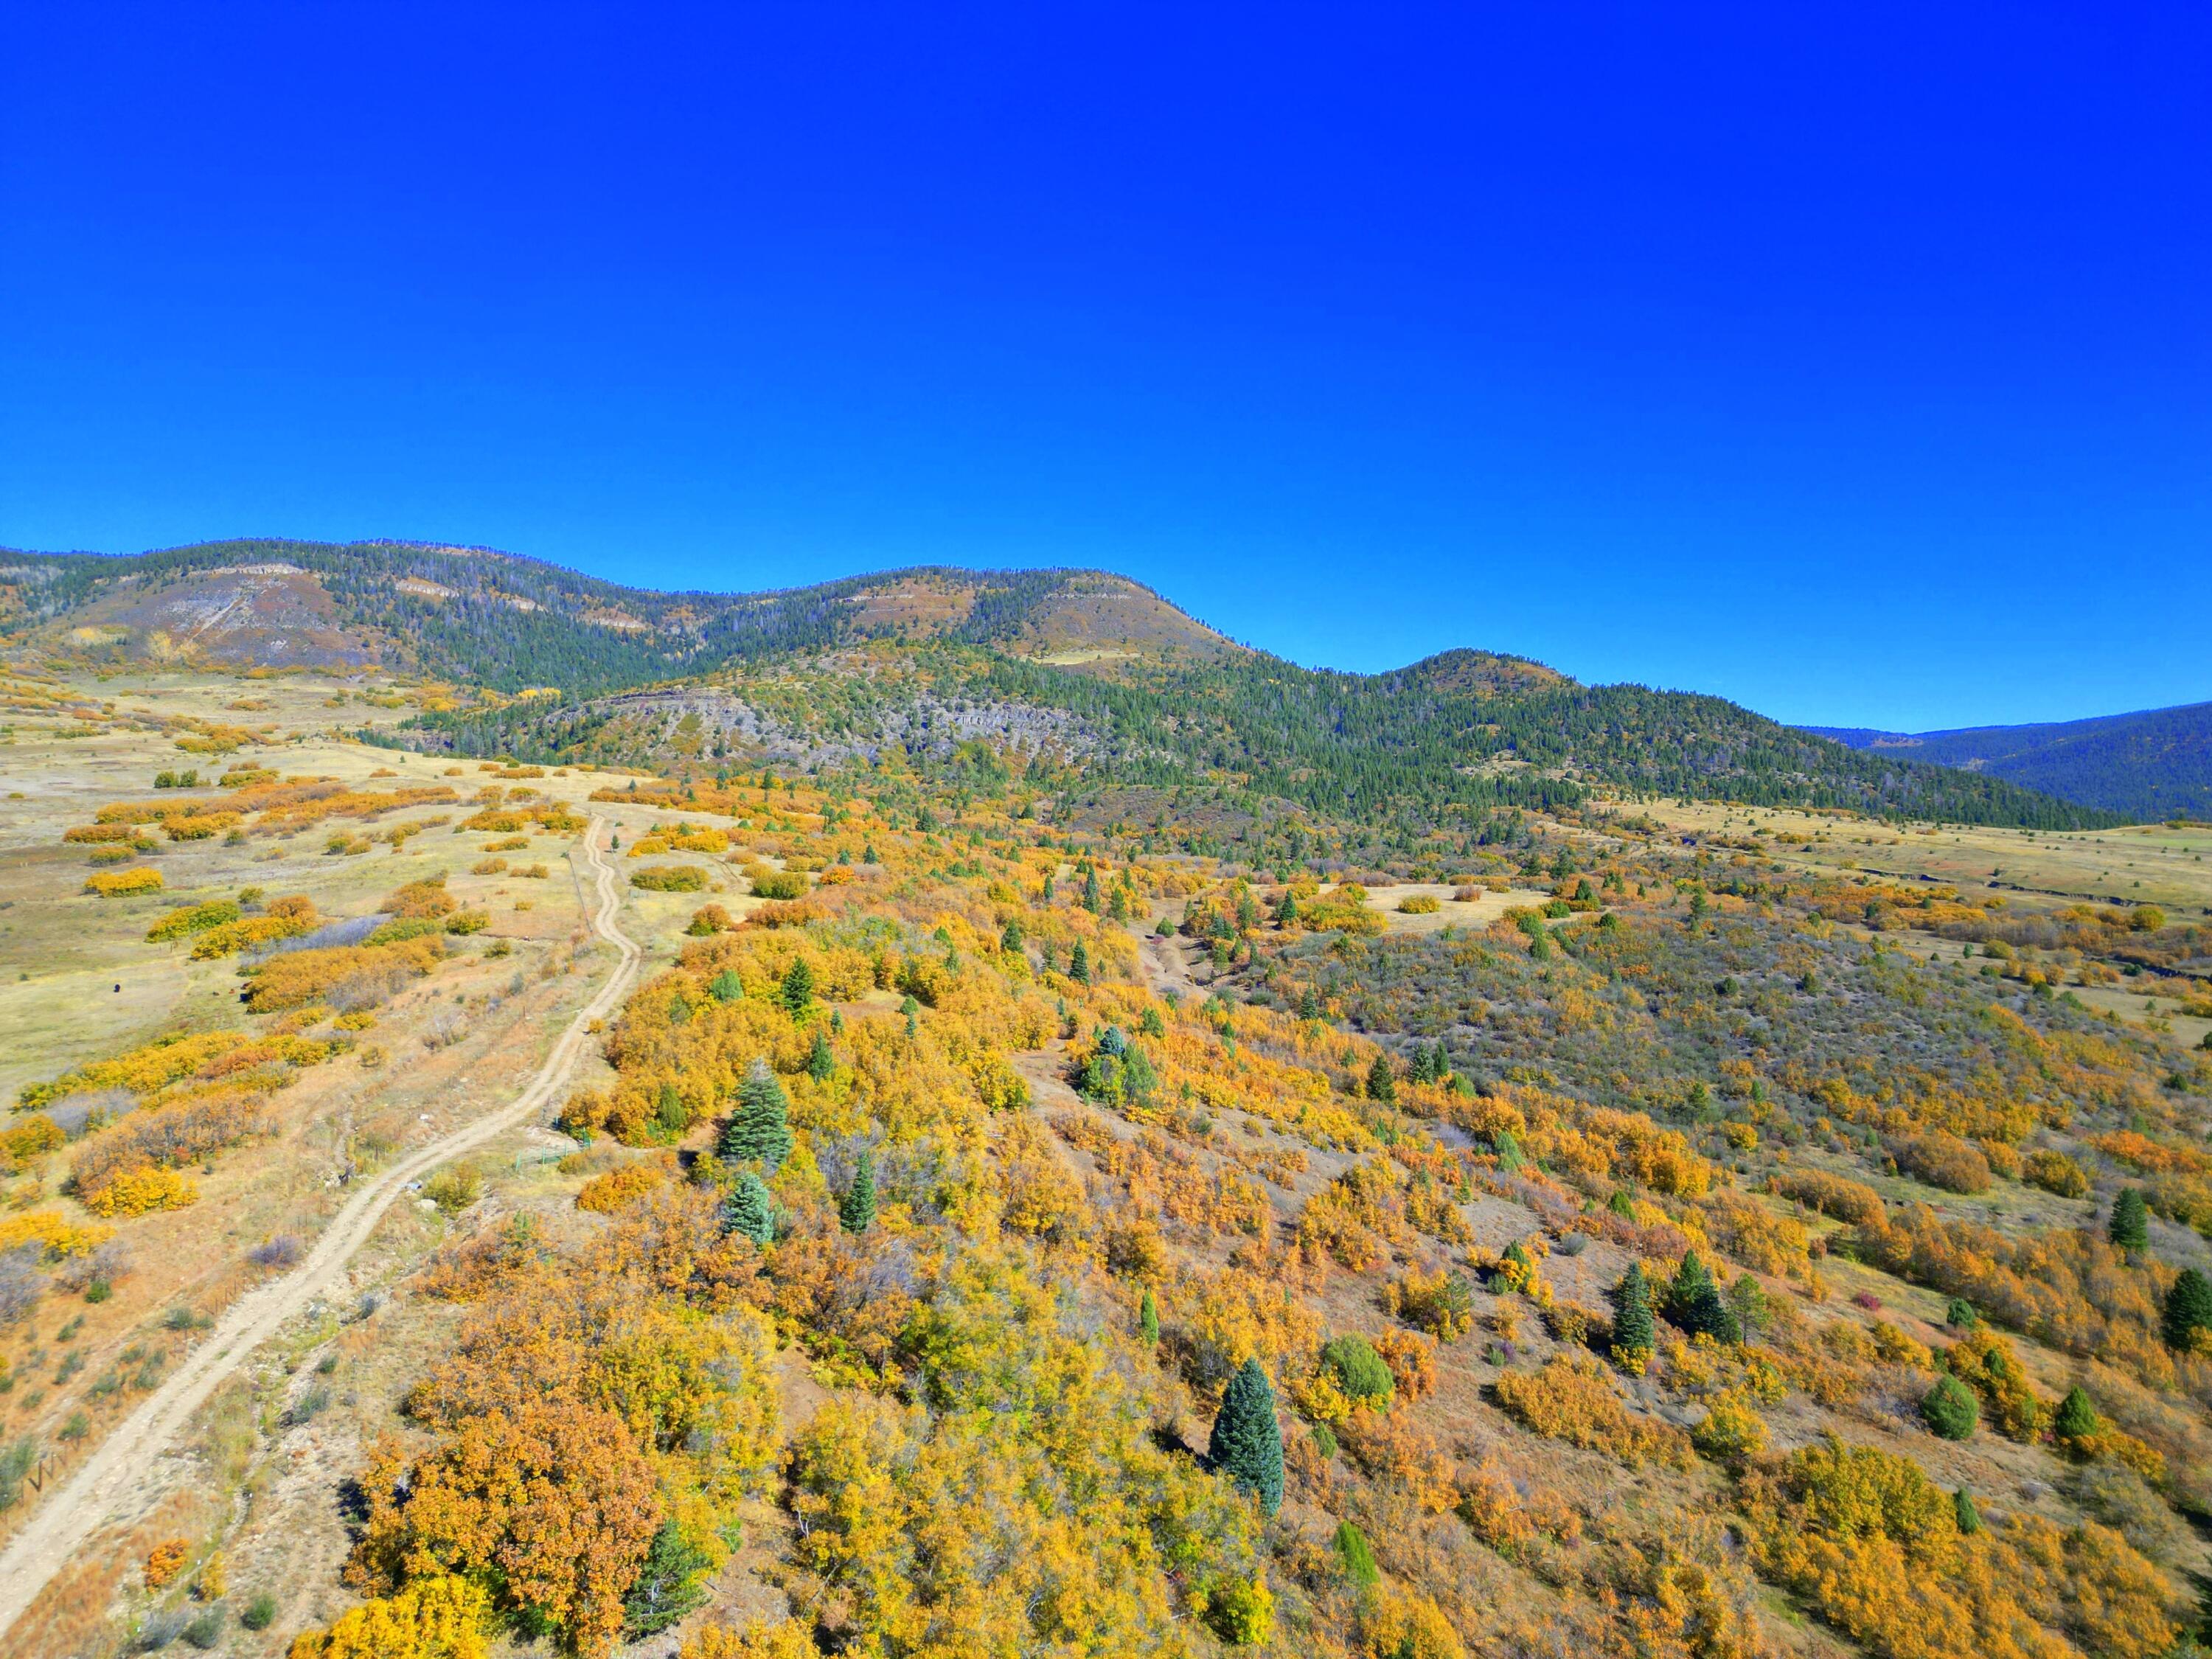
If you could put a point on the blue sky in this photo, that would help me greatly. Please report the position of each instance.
(1851, 361)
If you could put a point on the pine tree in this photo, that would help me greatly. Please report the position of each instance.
(1382, 1081)
(1695, 1303)
(749, 1210)
(857, 1212)
(1091, 891)
(799, 986)
(2130, 1227)
(1247, 1444)
(1309, 1004)
(1632, 1329)
(2188, 1310)
(820, 1062)
(2077, 1423)
(1148, 1320)
(667, 1586)
(1969, 1517)
(1511, 1158)
(1079, 965)
(1011, 940)
(760, 1126)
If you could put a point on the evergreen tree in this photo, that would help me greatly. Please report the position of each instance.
(749, 1209)
(820, 1062)
(1150, 1024)
(1960, 1315)
(1509, 1156)
(1078, 964)
(2130, 1227)
(1091, 891)
(1949, 1409)
(1287, 911)
(1148, 1320)
(799, 986)
(1011, 940)
(727, 987)
(760, 1126)
(2077, 1423)
(1632, 1328)
(1382, 1083)
(1969, 1517)
(1309, 1004)
(2188, 1310)
(1695, 1303)
(1247, 1444)
(667, 1586)
(857, 1212)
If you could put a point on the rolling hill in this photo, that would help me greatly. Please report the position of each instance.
(2154, 763)
(930, 658)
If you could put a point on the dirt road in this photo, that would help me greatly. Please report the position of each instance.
(97, 1491)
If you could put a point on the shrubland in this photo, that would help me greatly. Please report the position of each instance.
(1636, 1269)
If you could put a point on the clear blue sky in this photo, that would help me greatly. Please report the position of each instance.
(1854, 361)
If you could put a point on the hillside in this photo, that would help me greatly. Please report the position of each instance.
(984, 1226)
(1109, 667)
(2154, 763)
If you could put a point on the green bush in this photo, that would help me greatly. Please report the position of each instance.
(1359, 1560)
(1360, 1371)
(669, 878)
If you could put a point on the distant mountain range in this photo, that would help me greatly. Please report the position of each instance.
(932, 660)
(2154, 763)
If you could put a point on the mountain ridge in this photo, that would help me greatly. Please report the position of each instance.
(2148, 764)
(1163, 698)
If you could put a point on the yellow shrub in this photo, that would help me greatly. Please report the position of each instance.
(1406, 1625)
(60, 1237)
(191, 918)
(122, 883)
(1731, 1429)
(435, 1619)
(141, 1192)
(787, 1640)
(998, 1084)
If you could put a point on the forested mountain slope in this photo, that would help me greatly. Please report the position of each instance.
(1163, 698)
(2154, 763)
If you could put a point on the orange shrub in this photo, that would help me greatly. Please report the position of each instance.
(1942, 1160)
(1572, 1399)
(166, 1562)
(615, 1190)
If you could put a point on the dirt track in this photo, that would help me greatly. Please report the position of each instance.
(95, 1493)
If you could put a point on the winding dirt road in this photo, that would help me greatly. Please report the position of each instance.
(93, 1494)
